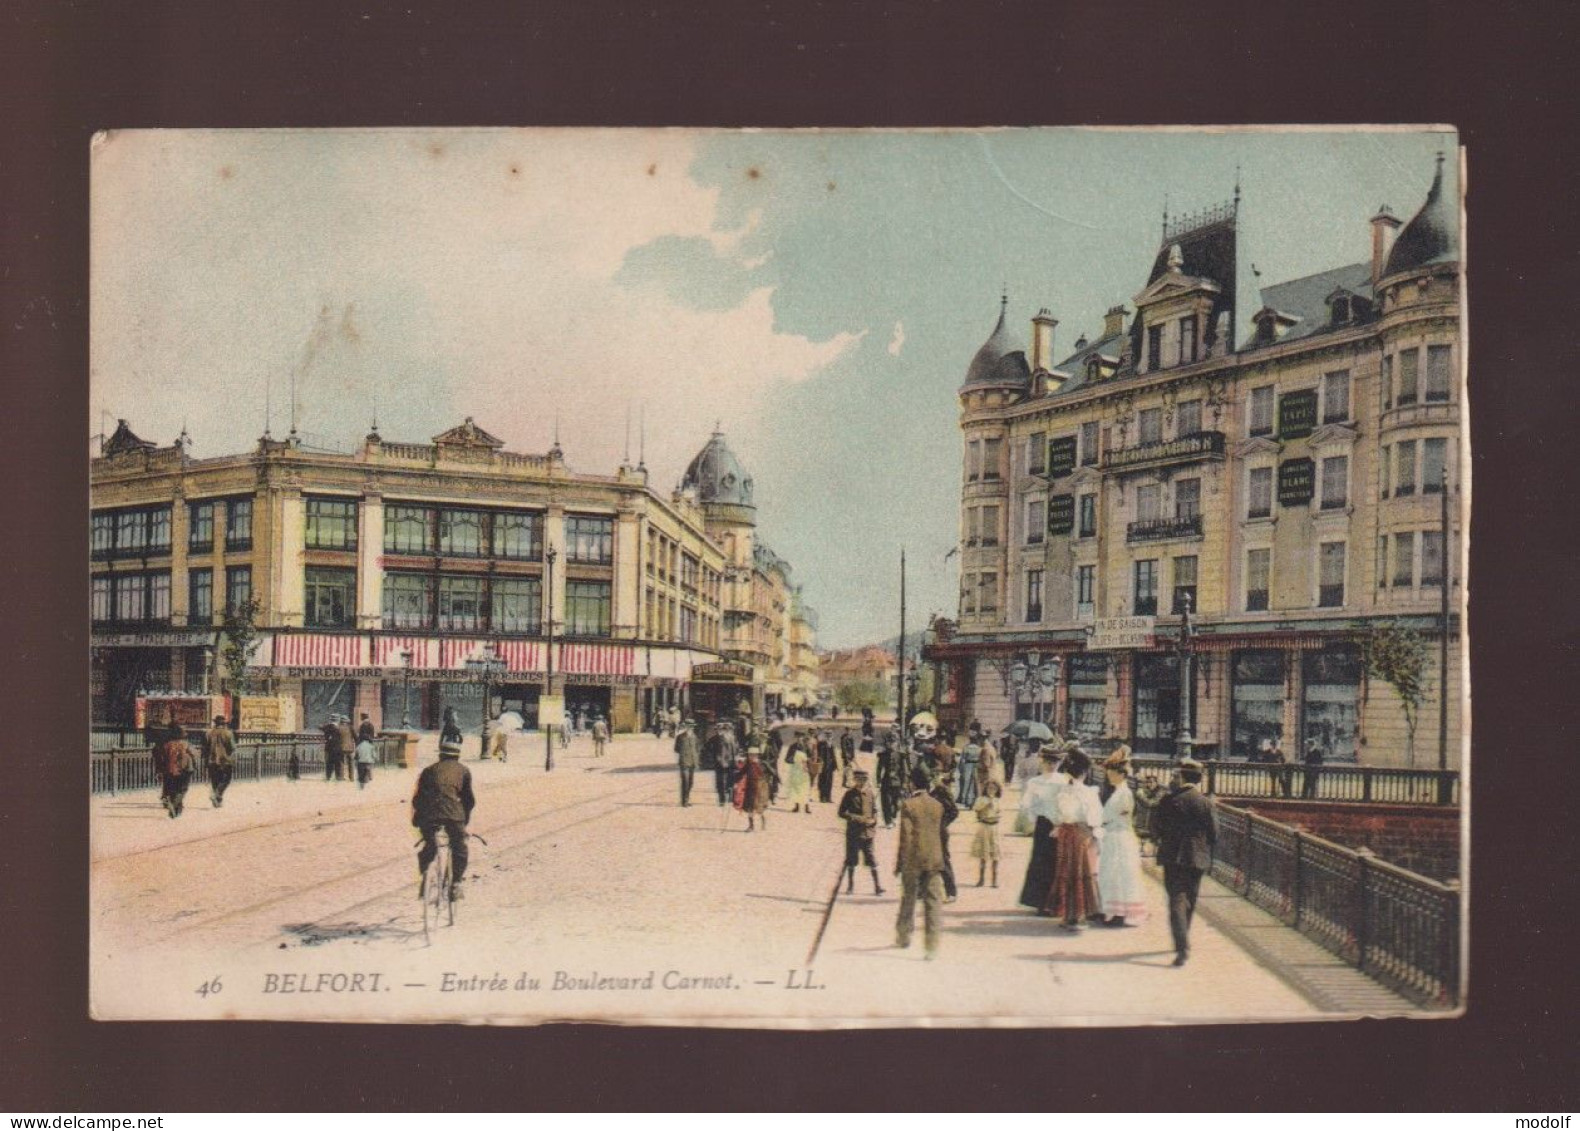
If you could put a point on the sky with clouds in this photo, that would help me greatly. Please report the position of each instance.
(818, 293)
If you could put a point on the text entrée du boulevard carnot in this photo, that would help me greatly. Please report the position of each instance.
(559, 981)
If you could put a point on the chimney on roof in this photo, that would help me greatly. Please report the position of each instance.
(1114, 321)
(1385, 225)
(1042, 328)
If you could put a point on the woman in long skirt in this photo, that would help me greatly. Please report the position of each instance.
(751, 789)
(798, 781)
(1036, 804)
(1119, 867)
(1078, 820)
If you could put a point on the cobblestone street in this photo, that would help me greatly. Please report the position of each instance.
(591, 879)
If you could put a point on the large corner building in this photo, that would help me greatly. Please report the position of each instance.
(1287, 488)
(381, 576)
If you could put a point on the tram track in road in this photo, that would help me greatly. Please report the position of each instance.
(609, 801)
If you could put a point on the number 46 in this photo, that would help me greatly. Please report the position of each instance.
(212, 986)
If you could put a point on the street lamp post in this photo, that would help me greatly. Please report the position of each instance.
(1183, 740)
(548, 683)
(405, 691)
(488, 665)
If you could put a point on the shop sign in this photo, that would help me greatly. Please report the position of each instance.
(1061, 457)
(1061, 514)
(727, 671)
(551, 710)
(1088, 669)
(1297, 414)
(452, 675)
(194, 638)
(1296, 482)
(1122, 632)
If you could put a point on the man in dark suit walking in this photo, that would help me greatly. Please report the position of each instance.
(1186, 829)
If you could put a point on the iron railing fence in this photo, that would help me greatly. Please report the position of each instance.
(1388, 922)
(1343, 782)
(126, 769)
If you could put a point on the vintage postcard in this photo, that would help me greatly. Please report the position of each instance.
(815, 578)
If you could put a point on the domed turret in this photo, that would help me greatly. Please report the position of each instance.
(720, 482)
(1001, 361)
(1429, 237)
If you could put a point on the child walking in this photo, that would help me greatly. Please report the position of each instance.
(367, 754)
(984, 847)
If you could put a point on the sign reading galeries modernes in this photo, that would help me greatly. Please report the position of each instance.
(1122, 632)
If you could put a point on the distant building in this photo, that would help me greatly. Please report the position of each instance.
(869, 666)
(1286, 489)
(758, 595)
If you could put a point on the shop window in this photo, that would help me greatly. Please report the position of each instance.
(1330, 714)
(1257, 679)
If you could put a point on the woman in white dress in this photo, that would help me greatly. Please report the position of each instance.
(1119, 866)
(798, 781)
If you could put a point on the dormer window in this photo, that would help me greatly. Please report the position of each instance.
(1154, 348)
(1341, 310)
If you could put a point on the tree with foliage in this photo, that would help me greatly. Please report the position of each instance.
(1397, 655)
(857, 694)
(240, 642)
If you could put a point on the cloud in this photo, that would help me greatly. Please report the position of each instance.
(897, 342)
(508, 275)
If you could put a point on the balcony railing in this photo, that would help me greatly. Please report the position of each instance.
(1186, 449)
(1158, 529)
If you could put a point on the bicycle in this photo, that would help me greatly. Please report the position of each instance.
(438, 887)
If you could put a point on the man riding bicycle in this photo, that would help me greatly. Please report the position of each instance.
(444, 800)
